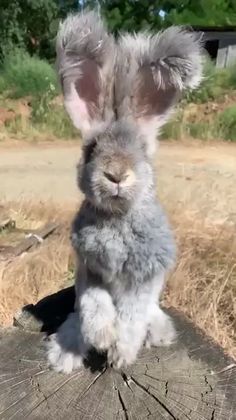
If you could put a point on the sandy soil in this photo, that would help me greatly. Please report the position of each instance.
(204, 176)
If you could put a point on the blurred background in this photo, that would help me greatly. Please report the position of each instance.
(27, 53)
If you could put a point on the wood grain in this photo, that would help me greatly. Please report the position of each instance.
(192, 379)
(28, 242)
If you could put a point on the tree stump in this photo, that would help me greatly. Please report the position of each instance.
(193, 379)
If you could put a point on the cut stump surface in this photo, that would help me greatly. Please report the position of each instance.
(193, 379)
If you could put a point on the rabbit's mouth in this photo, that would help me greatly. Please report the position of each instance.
(116, 193)
(117, 199)
(119, 194)
(114, 203)
(118, 205)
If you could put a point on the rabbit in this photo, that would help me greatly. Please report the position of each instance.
(119, 94)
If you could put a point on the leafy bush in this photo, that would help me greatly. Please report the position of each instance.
(210, 87)
(214, 84)
(25, 75)
(229, 77)
(227, 124)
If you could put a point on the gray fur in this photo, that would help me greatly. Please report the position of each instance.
(85, 57)
(124, 247)
(130, 239)
(152, 70)
(138, 78)
(121, 235)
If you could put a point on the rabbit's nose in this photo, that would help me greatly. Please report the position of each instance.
(114, 178)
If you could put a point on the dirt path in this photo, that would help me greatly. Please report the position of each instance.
(38, 173)
(202, 176)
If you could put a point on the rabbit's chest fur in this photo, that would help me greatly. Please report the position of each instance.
(133, 247)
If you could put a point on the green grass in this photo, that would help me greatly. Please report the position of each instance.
(226, 124)
(53, 119)
(221, 127)
(210, 88)
(46, 120)
(23, 75)
(227, 78)
(174, 128)
(214, 84)
(199, 130)
(3, 85)
(177, 130)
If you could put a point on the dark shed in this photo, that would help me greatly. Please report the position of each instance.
(220, 42)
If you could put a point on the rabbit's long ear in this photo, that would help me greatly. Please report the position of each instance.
(85, 58)
(152, 71)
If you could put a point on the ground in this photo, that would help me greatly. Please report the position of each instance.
(196, 183)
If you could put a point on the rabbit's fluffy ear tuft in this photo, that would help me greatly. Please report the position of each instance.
(152, 72)
(85, 58)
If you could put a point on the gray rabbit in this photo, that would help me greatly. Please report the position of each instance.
(119, 93)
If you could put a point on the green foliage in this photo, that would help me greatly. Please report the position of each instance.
(133, 15)
(227, 77)
(28, 29)
(174, 128)
(214, 84)
(226, 124)
(31, 24)
(25, 75)
(2, 84)
(178, 129)
(71, 6)
(199, 130)
(222, 126)
(48, 120)
(202, 13)
(130, 15)
(210, 87)
(49, 117)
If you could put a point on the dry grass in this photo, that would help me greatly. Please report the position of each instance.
(203, 284)
(30, 277)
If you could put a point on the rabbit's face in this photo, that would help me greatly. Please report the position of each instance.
(113, 171)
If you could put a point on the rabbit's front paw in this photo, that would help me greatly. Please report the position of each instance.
(161, 331)
(104, 337)
(59, 358)
(98, 318)
(121, 355)
(66, 349)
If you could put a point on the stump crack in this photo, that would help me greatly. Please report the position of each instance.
(36, 384)
(155, 398)
(213, 414)
(166, 388)
(93, 382)
(205, 393)
(46, 398)
(208, 384)
(126, 380)
(125, 411)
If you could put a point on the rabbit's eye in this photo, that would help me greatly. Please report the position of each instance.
(88, 151)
